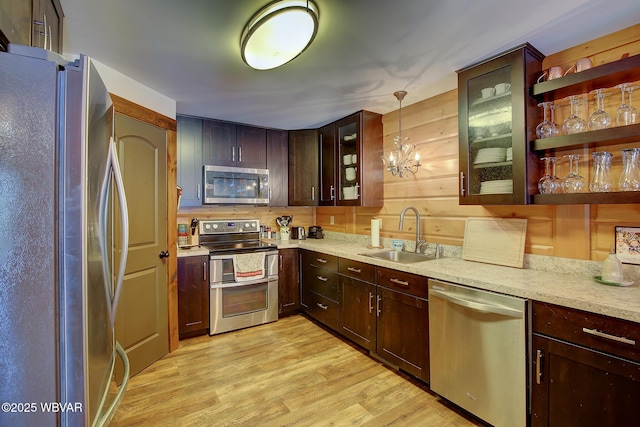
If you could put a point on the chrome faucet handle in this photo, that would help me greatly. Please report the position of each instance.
(419, 244)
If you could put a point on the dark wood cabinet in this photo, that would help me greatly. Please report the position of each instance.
(32, 23)
(351, 169)
(303, 167)
(278, 165)
(320, 291)
(189, 162)
(230, 144)
(288, 287)
(403, 321)
(358, 302)
(193, 296)
(585, 369)
(497, 119)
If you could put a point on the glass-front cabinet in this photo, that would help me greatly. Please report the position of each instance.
(348, 185)
(496, 116)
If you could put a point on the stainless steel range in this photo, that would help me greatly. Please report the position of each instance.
(243, 275)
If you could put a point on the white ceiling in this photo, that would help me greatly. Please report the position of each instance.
(365, 50)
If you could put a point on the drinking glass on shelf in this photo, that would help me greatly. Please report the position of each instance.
(622, 113)
(573, 182)
(601, 180)
(545, 129)
(599, 119)
(549, 183)
(573, 123)
(556, 129)
(630, 177)
(633, 111)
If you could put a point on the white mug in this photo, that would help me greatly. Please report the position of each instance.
(488, 92)
(346, 159)
(502, 88)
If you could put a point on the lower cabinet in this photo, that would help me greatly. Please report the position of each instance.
(586, 369)
(320, 287)
(288, 289)
(193, 296)
(358, 302)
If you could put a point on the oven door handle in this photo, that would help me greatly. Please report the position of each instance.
(218, 285)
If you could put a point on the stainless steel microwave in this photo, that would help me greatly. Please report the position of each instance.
(231, 185)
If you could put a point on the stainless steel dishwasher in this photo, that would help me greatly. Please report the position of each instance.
(477, 342)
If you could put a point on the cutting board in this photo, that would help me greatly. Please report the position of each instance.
(495, 241)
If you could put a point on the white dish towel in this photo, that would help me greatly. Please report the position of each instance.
(248, 266)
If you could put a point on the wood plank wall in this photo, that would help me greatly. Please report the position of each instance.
(581, 232)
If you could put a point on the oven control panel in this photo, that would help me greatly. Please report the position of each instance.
(229, 226)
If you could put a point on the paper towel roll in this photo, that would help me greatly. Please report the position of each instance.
(375, 232)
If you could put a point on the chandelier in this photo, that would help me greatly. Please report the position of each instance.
(404, 157)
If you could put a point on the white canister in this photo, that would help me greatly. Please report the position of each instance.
(284, 233)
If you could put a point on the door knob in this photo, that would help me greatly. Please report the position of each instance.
(164, 254)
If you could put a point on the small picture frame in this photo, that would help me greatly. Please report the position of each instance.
(628, 244)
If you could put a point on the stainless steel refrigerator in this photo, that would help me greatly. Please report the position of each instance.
(61, 204)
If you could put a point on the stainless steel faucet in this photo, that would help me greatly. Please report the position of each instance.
(419, 242)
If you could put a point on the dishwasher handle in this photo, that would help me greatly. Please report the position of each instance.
(482, 307)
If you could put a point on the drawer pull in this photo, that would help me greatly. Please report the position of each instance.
(399, 282)
(608, 336)
(323, 261)
(322, 278)
(355, 270)
(322, 306)
(538, 367)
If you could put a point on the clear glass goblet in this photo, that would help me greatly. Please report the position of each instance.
(599, 119)
(545, 129)
(633, 111)
(573, 123)
(622, 113)
(549, 183)
(573, 182)
(556, 128)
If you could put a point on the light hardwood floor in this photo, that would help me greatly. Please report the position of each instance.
(288, 373)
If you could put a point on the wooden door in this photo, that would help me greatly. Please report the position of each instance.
(288, 292)
(251, 147)
(328, 188)
(142, 320)
(277, 163)
(303, 167)
(403, 331)
(193, 295)
(357, 311)
(218, 143)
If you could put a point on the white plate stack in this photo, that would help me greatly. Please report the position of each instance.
(509, 157)
(499, 186)
(490, 155)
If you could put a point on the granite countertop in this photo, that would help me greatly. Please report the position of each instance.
(566, 288)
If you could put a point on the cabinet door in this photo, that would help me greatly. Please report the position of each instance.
(575, 386)
(15, 22)
(218, 143)
(348, 176)
(47, 24)
(303, 167)
(277, 163)
(357, 311)
(193, 295)
(251, 147)
(190, 160)
(496, 116)
(327, 166)
(403, 331)
(288, 291)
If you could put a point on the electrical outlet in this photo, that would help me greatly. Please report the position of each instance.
(331, 220)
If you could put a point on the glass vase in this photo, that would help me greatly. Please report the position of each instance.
(601, 179)
(630, 176)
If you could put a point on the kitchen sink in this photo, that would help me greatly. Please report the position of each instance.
(399, 256)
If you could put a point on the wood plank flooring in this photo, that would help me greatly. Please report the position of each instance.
(288, 373)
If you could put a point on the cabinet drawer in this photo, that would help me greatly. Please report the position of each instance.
(322, 309)
(320, 260)
(321, 281)
(408, 283)
(607, 334)
(357, 270)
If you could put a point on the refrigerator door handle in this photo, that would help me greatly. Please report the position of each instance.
(124, 218)
(106, 418)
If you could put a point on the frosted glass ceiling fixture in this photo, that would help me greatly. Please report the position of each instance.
(278, 33)
(403, 158)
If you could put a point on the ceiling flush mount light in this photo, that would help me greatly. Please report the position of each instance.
(404, 158)
(279, 32)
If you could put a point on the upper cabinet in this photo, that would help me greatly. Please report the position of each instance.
(37, 23)
(189, 174)
(229, 144)
(582, 85)
(351, 169)
(277, 163)
(303, 167)
(496, 119)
